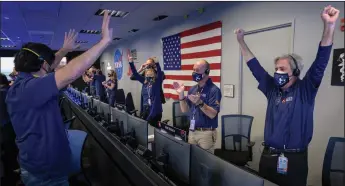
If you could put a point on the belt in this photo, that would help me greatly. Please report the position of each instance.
(278, 151)
(205, 129)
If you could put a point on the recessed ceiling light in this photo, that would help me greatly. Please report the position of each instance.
(160, 17)
(81, 42)
(6, 17)
(8, 46)
(133, 30)
(90, 32)
(113, 13)
(5, 39)
(116, 38)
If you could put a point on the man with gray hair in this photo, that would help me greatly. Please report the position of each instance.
(291, 100)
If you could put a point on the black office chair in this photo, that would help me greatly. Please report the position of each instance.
(236, 145)
(120, 100)
(334, 163)
(130, 108)
(180, 119)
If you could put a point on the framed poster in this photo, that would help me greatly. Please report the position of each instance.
(338, 78)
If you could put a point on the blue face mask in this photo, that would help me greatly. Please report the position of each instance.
(149, 79)
(281, 78)
(196, 77)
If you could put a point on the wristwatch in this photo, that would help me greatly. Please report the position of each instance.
(201, 104)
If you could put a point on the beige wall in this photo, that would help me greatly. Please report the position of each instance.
(329, 106)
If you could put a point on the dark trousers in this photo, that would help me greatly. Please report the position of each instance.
(297, 168)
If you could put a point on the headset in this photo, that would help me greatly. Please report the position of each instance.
(207, 71)
(296, 72)
(39, 57)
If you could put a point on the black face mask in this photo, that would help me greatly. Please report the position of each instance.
(149, 79)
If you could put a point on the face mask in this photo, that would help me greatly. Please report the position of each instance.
(149, 79)
(196, 77)
(281, 78)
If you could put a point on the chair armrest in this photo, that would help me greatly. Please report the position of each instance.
(132, 112)
(165, 121)
(251, 144)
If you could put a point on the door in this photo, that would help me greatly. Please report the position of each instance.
(266, 44)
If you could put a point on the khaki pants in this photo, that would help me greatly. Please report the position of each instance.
(204, 139)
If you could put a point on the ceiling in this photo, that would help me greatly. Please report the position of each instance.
(46, 22)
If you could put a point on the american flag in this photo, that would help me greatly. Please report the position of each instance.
(182, 50)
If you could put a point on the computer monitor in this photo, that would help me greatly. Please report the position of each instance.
(107, 111)
(141, 129)
(121, 117)
(178, 156)
(96, 103)
(208, 170)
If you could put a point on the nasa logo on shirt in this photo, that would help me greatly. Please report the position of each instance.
(118, 63)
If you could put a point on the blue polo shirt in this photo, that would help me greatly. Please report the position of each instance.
(210, 94)
(33, 106)
(289, 115)
(98, 79)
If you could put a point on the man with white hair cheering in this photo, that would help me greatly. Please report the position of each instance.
(289, 117)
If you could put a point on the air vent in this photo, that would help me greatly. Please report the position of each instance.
(116, 38)
(133, 30)
(90, 32)
(8, 46)
(80, 42)
(160, 17)
(113, 13)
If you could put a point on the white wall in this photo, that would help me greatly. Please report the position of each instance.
(329, 108)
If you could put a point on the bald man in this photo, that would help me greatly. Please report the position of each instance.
(203, 104)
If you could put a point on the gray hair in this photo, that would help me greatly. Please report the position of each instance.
(290, 57)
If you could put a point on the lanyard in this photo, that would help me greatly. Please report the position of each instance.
(194, 110)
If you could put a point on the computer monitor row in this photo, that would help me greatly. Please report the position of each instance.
(191, 165)
(129, 122)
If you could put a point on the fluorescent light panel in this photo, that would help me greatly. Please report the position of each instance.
(160, 17)
(113, 13)
(8, 46)
(133, 30)
(116, 38)
(90, 32)
(81, 42)
(5, 39)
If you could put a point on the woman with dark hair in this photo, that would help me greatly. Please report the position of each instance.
(111, 87)
(8, 136)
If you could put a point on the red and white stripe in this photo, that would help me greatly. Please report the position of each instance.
(204, 42)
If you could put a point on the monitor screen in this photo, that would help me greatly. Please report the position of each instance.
(140, 127)
(178, 156)
(6, 66)
(121, 116)
(207, 169)
(106, 109)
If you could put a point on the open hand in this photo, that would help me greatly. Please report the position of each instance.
(107, 33)
(179, 87)
(69, 43)
(195, 99)
(330, 15)
(129, 57)
(240, 34)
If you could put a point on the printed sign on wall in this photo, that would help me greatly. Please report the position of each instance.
(118, 63)
(338, 78)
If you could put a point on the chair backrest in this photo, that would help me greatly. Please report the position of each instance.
(120, 97)
(180, 119)
(334, 163)
(129, 102)
(235, 130)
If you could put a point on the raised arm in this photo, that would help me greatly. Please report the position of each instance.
(137, 76)
(159, 71)
(316, 71)
(260, 74)
(183, 100)
(68, 46)
(76, 67)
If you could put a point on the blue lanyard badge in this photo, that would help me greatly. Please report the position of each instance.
(192, 122)
(282, 166)
(149, 88)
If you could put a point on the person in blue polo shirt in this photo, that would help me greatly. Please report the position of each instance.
(111, 87)
(291, 100)
(203, 106)
(151, 97)
(32, 102)
(98, 78)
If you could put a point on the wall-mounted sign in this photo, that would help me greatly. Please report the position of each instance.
(118, 63)
(338, 76)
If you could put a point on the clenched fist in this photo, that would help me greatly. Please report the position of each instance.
(240, 34)
(330, 15)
